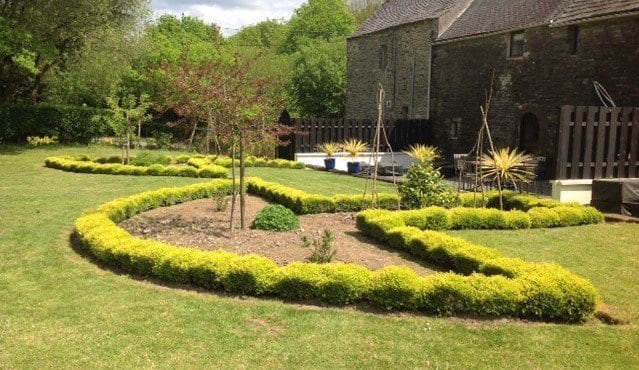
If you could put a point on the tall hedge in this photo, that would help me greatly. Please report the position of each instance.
(71, 124)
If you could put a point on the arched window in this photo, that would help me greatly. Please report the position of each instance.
(529, 133)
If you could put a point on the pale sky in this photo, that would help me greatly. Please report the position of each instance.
(230, 15)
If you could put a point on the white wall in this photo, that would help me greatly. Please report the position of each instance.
(385, 159)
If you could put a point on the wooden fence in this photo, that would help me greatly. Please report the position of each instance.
(598, 142)
(310, 132)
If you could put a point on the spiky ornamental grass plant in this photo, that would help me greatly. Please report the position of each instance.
(507, 166)
(354, 147)
(424, 154)
(330, 148)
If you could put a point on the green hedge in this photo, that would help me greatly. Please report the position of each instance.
(198, 165)
(511, 199)
(494, 285)
(83, 164)
(250, 161)
(304, 203)
(460, 218)
(71, 124)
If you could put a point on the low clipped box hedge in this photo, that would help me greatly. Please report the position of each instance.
(482, 282)
(304, 203)
(106, 166)
(146, 163)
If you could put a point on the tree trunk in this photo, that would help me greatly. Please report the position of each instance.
(137, 146)
(233, 182)
(192, 134)
(128, 144)
(242, 181)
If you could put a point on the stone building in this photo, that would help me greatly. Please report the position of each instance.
(545, 54)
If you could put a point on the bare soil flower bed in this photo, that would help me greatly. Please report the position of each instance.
(197, 224)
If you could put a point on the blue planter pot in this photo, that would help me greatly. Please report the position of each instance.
(354, 167)
(329, 163)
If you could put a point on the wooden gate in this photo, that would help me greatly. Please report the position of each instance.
(598, 142)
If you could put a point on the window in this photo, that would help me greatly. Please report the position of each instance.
(454, 126)
(383, 57)
(516, 44)
(572, 39)
(404, 112)
(529, 133)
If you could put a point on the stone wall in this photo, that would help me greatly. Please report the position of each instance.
(545, 78)
(404, 73)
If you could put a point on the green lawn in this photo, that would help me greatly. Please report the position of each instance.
(58, 309)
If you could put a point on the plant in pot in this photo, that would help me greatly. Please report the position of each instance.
(354, 147)
(330, 149)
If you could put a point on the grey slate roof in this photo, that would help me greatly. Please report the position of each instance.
(577, 10)
(398, 12)
(487, 16)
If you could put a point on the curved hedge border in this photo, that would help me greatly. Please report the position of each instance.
(302, 202)
(438, 218)
(198, 166)
(494, 285)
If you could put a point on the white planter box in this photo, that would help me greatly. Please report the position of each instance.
(385, 159)
(566, 191)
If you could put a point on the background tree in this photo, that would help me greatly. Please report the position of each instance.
(37, 37)
(318, 83)
(318, 20)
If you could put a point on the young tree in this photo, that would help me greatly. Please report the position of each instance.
(235, 105)
(126, 113)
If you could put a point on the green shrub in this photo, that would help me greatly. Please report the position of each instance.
(424, 186)
(276, 218)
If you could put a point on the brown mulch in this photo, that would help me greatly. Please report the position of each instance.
(197, 224)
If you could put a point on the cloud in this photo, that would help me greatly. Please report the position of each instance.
(230, 15)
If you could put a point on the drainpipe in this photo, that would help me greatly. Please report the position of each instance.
(429, 73)
(412, 89)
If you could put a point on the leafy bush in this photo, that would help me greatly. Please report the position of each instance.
(276, 218)
(424, 186)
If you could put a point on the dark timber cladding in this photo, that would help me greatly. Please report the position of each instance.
(400, 133)
(598, 142)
